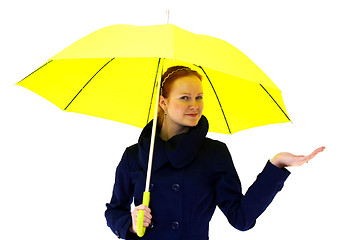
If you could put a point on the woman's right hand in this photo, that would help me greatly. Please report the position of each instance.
(147, 217)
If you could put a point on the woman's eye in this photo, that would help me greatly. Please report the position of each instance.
(199, 97)
(184, 98)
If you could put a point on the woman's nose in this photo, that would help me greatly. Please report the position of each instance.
(194, 104)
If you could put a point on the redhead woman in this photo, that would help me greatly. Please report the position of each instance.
(191, 174)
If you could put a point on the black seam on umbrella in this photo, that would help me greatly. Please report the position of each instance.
(222, 110)
(36, 70)
(88, 82)
(275, 102)
(153, 91)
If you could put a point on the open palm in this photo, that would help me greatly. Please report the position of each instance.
(286, 159)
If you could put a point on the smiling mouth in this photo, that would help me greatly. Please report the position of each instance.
(192, 115)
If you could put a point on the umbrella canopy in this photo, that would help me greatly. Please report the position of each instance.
(114, 73)
(111, 73)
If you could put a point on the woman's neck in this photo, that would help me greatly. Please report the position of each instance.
(168, 131)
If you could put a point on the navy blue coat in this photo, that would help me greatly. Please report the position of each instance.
(191, 175)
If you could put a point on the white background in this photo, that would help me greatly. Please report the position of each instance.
(57, 168)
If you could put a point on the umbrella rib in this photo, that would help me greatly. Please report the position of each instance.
(36, 70)
(153, 91)
(88, 83)
(275, 102)
(222, 110)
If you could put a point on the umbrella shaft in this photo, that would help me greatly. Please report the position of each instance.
(153, 132)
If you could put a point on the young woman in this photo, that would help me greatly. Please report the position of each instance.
(191, 173)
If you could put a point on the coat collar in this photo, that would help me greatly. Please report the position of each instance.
(180, 150)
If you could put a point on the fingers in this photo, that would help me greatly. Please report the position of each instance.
(147, 216)
(144, 208)
(320, 149)
(313, 154)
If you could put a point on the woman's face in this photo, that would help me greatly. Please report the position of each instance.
(184, 105)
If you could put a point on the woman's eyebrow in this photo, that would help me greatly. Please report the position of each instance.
(190, 93)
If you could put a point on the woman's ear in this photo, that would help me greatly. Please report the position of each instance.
(162, 103)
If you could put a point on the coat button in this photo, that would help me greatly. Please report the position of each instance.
(175, 225)
(176, 187)
(151, 187)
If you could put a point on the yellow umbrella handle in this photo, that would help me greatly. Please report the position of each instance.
(140, 217)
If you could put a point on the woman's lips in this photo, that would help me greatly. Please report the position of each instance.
(192, 115)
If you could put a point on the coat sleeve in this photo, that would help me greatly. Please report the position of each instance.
(117, 214)
(243, 210)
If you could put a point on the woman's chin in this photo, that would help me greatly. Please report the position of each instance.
(192, 121)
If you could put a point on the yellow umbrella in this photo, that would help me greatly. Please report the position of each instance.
(115, 72)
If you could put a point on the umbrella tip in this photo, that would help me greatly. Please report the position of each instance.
(167, 16)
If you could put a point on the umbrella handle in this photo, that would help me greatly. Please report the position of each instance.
(140, 217)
